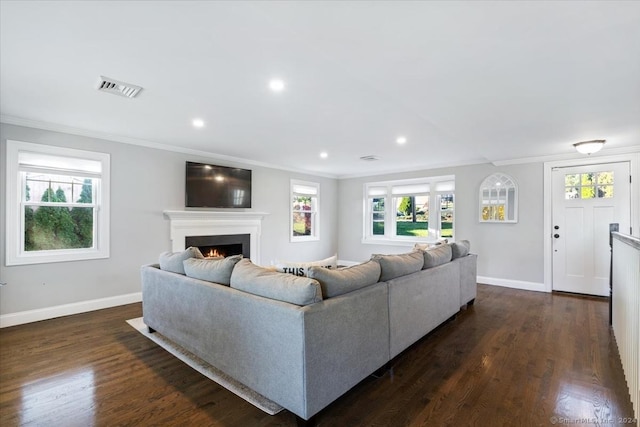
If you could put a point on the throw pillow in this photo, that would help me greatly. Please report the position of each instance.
(300, 268)
(460, 248)
(347, 279)
(436, 256)
(392, 266)
(426, 246)
(217, 270)
(172, 261)
(257, 280)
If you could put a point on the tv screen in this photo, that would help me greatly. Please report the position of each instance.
(211, 186)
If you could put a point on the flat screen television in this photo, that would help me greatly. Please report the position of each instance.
(211, 186)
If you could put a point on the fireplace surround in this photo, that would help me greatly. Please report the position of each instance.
(197, 223)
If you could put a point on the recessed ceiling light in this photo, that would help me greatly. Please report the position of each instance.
(401, 140)
(276, 85)
(198, 123)
(324, 155)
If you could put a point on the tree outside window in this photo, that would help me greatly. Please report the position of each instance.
(55, 223)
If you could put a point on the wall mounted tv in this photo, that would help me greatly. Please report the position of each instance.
(211, 186)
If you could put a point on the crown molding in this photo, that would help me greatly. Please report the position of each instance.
(568, 156)
(54, 127)
(424, 167)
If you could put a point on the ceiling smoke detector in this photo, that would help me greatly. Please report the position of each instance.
(106, 84)
(370, 158)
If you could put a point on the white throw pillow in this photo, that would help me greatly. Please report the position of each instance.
(300, 268)
(427, 246)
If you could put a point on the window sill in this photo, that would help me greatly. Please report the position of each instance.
(395, 242)
(304, 239)
(62, 256)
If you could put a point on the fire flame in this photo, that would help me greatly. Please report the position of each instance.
(213, 253)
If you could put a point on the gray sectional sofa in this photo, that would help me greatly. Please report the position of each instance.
(302, 342)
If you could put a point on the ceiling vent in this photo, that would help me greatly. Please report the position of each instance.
(105, 84)
(369, 158)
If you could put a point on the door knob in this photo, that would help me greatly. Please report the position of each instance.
(556, 235)
(556, 227)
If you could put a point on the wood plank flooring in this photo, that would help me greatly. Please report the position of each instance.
(515, 358)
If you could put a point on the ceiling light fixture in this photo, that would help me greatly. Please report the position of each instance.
(198, 123)
(589, 147)
(401, 140)
(324, 155)
(276, 85)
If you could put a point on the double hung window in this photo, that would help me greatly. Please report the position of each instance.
(409, 210)
(305, 201)
(57, 204)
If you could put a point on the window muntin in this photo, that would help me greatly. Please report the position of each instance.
(403, 210)
(377, 216)
(59, 211)
(57, 204)
(589, 185)
(304, 210)
(446, 215)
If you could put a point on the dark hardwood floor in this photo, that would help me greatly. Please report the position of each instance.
(515, 358)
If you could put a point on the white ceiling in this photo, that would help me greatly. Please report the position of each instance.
(465, 82)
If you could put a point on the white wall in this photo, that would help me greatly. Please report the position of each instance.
(144, 182)
(509, 254)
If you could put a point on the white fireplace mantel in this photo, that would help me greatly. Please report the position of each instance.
(214, 223)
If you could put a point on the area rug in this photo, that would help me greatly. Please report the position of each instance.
(207, 369)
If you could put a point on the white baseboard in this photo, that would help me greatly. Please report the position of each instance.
(21, 317)
(516, 284)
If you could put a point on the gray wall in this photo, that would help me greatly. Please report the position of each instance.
(144, 182)
(506, 251)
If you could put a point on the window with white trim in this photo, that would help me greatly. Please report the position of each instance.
(305, 200)
(57, 204)
(410, 210)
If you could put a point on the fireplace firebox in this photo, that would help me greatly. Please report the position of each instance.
(221, 245)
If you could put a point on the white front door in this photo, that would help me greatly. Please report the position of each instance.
(585, 200)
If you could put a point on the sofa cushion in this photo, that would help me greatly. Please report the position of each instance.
(217, 270)
(460, 248)
(436, 256)
(172, 261)
(340, 281)
(257, 280)
(300, 268)
(392, 266)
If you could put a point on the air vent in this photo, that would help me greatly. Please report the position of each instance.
(369, 158)
(105, 84)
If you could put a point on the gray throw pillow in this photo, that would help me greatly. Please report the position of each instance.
(436, 256)
(347, 279)
(460, 248)
(213, 270)
(392, 266)
(172, 261)
(257, 280)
